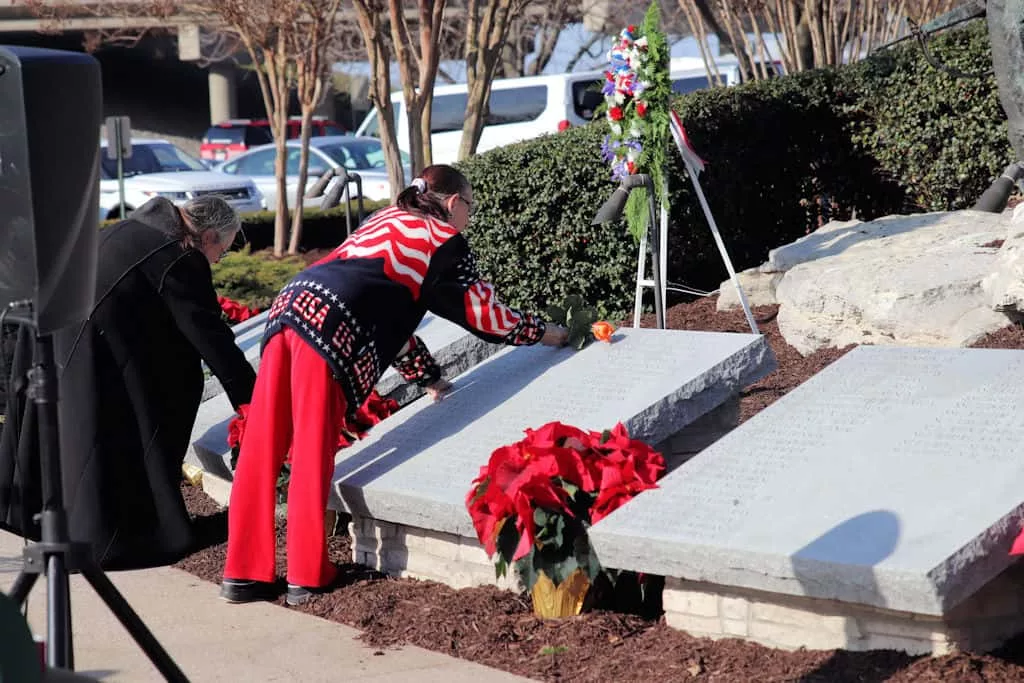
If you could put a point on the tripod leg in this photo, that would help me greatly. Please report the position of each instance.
(22, 587)
(58, 614)
(133, 624)
(59, 638)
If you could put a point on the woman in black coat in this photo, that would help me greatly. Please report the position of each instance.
(131, 380)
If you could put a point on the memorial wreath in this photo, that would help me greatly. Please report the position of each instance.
(637, 90)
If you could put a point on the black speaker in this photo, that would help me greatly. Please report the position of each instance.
(51, 110)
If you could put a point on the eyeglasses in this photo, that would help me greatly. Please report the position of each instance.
(469, 204)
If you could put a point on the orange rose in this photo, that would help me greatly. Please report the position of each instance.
(602, 331)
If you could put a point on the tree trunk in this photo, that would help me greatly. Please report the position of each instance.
(369, 17)
(278, 116)
(407, 73)
(485, 37)
(430, 58)
(725, 42)
(300, 193)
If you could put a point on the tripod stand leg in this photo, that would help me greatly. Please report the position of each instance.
(58, 614)
(22, 587)
(133, 624)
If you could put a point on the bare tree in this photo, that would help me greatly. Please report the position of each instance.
(487, 30)
(371, 15)
(263, 28)
(809, 33)
(418, 70)
(309, 44)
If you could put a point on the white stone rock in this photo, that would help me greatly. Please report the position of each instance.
(911, 281)
(758, 287)
(1005, 286)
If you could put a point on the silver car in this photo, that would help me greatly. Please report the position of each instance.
(362, 155)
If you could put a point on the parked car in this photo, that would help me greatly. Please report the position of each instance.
(157, 168)
(525, 108)
(364, 156)
(230, 138)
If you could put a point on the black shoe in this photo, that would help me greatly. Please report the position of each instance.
(244, 590)
(298, 595)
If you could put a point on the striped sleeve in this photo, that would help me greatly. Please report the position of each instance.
(459, 294)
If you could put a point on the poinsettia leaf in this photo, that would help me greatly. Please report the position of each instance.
(574, 301)
(527, 570)
(606, 436)
(586, 557)
(508, 539)
(570, 489)
(555, 314)
(500, 567)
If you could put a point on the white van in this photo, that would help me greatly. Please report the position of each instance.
(525, 108)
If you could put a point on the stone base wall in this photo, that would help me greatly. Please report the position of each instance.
(405, 551)
(983, 622)
(701, 433)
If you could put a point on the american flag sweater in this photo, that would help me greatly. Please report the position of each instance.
(359, 306)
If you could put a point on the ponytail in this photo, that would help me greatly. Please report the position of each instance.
(426, 194)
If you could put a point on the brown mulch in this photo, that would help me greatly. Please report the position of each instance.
(497, 628)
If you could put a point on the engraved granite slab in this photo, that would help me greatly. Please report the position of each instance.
(892, 478)
(455, 349)
(416, 467)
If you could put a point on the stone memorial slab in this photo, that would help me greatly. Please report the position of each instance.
(415, 468)
(891, 479)
(455, 349)
(248, 334)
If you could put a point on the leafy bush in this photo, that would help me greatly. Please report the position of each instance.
(254, 278)
(943, 138)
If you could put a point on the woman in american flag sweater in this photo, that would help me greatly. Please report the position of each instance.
(330, 335)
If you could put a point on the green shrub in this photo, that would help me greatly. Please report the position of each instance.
(254, 278)
(531, 229)
(943, 138)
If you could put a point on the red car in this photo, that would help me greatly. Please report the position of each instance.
(230, 138)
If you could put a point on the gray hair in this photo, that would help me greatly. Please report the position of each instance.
(210, 212)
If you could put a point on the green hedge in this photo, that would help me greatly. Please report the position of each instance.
(887, 135)
(254, 278)
(943, 138)
(320, 229)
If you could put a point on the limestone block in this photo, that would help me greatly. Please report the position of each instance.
(918, 285)
(1005, 285)
(758, 286)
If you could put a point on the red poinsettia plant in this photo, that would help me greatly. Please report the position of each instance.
(534, 500)
(234, 311)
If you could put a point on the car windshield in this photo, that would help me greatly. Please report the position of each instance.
(358, 155)
(152, 158)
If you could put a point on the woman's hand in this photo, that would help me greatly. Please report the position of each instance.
(438, 389)
(555, 335)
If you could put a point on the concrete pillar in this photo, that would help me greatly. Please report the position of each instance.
(223, 92)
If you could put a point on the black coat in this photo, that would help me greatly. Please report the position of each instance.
(131, 381)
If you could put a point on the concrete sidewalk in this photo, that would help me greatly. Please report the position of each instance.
(213, 641)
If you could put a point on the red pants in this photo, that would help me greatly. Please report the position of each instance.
(297, 406)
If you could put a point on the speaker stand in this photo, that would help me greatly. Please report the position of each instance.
(55, 555)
